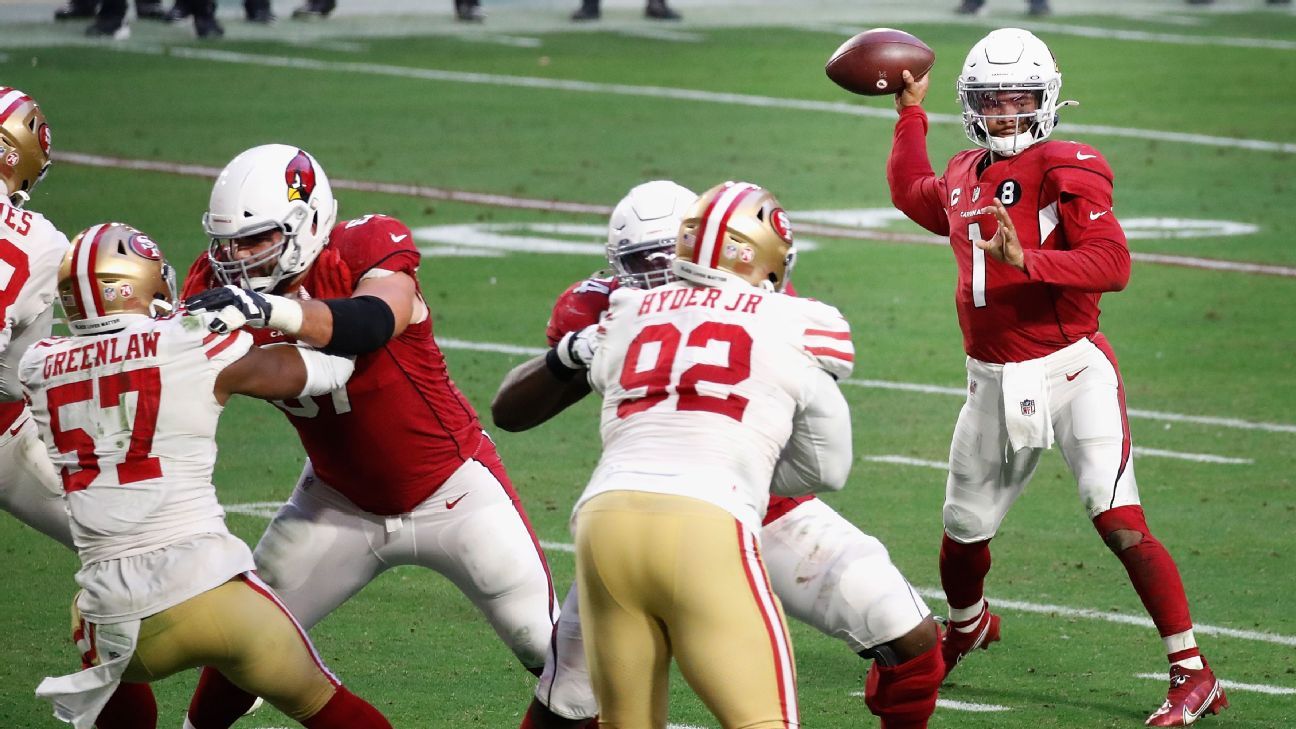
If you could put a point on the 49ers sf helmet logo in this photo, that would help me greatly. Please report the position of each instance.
(300, 177)
(145, 247)
(782, 226)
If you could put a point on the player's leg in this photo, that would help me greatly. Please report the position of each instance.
(726, 625)
(1092, 431)
(29, 487)
(243, 630)
(619, 564)
(564, 698)
(841, 581)
(476, 533)
(985, 478)
(316, 553)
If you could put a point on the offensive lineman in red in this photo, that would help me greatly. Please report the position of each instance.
(399, 470)
(1037, 244)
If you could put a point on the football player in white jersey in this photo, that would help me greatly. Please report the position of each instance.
(30, 251)
(127, 408)
(712, 391)
(827, 572)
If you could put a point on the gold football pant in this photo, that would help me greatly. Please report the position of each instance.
(662, 576)
(241, 630)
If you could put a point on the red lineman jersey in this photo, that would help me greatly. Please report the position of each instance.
(400, 427)
(582, 304)
(1059, 197)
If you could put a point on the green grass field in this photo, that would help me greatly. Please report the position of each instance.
(1208, 355)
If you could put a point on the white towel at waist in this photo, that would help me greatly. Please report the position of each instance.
(1026, 405)
(79, 697)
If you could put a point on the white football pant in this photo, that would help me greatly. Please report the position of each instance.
(1087, 409)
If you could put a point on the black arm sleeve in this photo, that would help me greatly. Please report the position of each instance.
(360, 324)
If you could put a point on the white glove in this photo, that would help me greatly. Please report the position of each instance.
(577, 349)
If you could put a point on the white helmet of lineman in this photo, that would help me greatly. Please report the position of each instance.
(273, 186)
(1010, 59)
(642, 232)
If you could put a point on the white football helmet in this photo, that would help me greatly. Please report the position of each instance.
(273, 186)
(642, 232)
(1010, 59)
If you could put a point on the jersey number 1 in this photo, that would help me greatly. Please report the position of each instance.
(138, 464)
(978, 266)
(657, 379)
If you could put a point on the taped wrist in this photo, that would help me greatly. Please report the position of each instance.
(361, 324)
(324, 372)
(557, 368)
(285, 315)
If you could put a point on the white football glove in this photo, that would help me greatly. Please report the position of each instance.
(577, 349)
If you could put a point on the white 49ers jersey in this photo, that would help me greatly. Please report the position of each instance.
(129, 420)
(31, 249)
(701, 386)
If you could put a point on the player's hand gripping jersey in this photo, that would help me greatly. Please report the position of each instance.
(133, 418)
(713, 377)
(1059, 196)
(400, 427)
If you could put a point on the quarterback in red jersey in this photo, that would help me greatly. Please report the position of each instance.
(826, 572)
(399, 470)
(1037, 244)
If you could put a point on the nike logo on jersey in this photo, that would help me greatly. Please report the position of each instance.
(1095, 216)
(450, 504)
(397, 238)
(14, 430)
(1076, 374)
(1082, 156)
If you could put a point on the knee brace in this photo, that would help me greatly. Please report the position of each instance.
(904, 696)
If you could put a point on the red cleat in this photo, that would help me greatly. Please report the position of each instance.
(956, 644)
(1193, 694)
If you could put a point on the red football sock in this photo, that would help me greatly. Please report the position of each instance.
(904, 696)
(1151, 570)
(963, 568)
(217, 703)
(132, 706)
(347, 711)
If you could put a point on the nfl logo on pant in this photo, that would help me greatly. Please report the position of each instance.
(1028, 407)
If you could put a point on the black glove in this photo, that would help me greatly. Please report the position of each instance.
(233, 307)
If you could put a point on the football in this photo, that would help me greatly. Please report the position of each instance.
(871, 62)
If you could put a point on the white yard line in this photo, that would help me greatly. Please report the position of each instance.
(522, 203)
(267, 509)
(1138, 450)
(1021, 606)
(664, 92)
(1235, 423)
(1259, 688)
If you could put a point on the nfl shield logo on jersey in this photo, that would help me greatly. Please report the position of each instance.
(1028, 407)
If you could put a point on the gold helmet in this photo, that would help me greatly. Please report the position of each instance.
(736, 229)
(112, 274)
(24, 144)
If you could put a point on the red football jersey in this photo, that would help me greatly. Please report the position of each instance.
(1059, 196)
(583, 303)
(401, 427)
